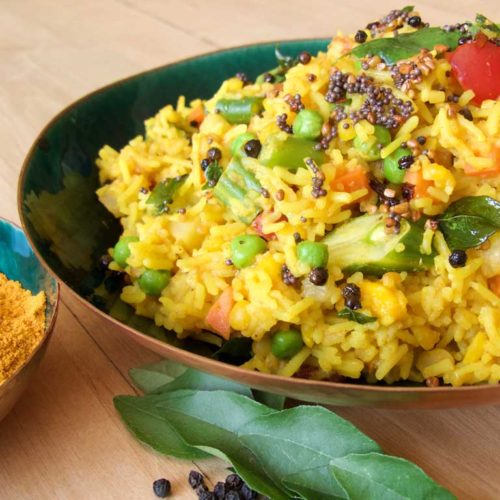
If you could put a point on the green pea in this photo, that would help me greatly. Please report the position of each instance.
(371, 151)
(307, 124)
(152, 281)
(286, 343)
(121, 251)
(312, 253)
(392, 171)
(245, 248)
(239, 141)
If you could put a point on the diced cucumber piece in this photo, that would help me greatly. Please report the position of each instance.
(363, 245)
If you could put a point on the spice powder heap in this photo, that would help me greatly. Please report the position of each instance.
(22, 325)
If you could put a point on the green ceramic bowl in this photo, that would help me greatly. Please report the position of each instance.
(70, 230)
(19, 263)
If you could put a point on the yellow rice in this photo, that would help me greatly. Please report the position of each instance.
(444, 322)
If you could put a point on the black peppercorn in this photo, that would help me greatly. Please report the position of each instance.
(304, 57)
(205, 495)
(232, 495)
(415, 21)
(219, 490)
(195, 479)
(234, 482)
(318, 276)
(214, 154)
(252, 148)
(204, 163)
(104, 262)
(162, 488)
(269, 78)
(352, 296)
(247, 493)
(457, 258)
(360, 36)
(421, 140)
(465, 112)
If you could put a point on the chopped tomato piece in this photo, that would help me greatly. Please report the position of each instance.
(218, 315)
(476, 66)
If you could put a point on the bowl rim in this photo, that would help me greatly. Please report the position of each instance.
(182, 355)
(50, 326)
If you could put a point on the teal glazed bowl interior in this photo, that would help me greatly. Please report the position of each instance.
(19, 263)
(70, 230)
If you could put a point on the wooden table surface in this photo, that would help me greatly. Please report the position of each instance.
(64, 440)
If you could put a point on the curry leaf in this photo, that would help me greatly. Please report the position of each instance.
(374, 476)
(235, 351)
(355, 316)
(470, 221)
(404, 46)
(149, 378)
(149, 426)
(300, 442)
(194, 379)
(212, 175)
(484, 24)
(211, 422)
(163, 193)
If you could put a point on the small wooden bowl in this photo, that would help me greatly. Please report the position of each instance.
(19, 263)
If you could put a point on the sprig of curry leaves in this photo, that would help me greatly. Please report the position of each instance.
(302, 452)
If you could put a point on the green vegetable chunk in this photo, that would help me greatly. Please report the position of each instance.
(152, 281)
(163, 194)
(286, 343)
(370, 150)
(239, 142)
(312, 253)
(239, 110)
(363, 245)
(392, 171)
(470, 221)
(392, 50)
(239, 190)
(308, 124)
(121, 251)
(289, 153)
(245, 248)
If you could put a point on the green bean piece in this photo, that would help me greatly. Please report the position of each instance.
(239, 110)
(392, 171)
(245, 248)
(238, 143)
(289, 153)
(307, 124)
(286, 343)
(121, 251)
(153, 281)
(370, 150)
(312, 253)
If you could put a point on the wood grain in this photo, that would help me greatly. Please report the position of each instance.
(64, 439)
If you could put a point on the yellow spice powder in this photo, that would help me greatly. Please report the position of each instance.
(22, 325)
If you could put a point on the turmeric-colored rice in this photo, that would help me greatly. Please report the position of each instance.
(439, 325)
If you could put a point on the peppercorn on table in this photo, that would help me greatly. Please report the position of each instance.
(64, 439)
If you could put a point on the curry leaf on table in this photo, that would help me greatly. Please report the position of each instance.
(372, 476)
(211, 422)
(400, 47)
(194, 379)
(149, 426)
(301, 442)
(148, 378)
(275, 401)
(470, 221)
